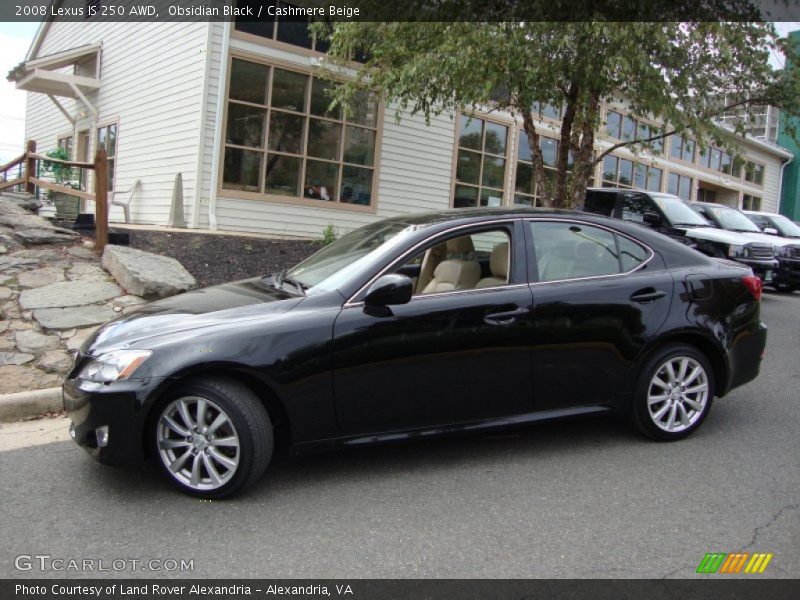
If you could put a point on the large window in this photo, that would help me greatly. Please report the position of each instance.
(65, 143)
(624, 173)
(287, 29)
(281, 139)
(754, 173)
(751, 203)
(526, 192)
(624, 127)
(680, 186)
(107, 138)
(681, 148)
(480, 163)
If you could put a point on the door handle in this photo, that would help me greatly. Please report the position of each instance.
(506, 317)
(647, 295)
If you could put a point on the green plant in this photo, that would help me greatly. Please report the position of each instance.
(329, 235)
(62, 174)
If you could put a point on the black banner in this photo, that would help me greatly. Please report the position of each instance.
(737, 588)
(408, 10)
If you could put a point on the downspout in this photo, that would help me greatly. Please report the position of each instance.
(198, 180)
(780, 192)
(223, 78)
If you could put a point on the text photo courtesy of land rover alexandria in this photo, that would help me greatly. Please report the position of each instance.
(672, 216)
(460, 321)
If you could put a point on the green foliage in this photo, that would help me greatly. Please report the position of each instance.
(329, 235)
(62, 174)
(682, 74)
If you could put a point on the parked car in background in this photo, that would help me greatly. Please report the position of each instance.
(673, 217)
(465, 320)
(731, 219)
(788, 275)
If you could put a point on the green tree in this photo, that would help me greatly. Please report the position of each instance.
(683, 74)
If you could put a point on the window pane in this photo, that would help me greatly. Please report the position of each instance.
(470, 135)
(628, 129)
(248, 81)
(631, 254)
(759, 174)
(704, 156)
(524, 147)
(685, 188)
(640, 176)
(465, 196)
(321, 180)
(524, 178)
(242, 170)
(716, 159)
(657, 146)
(102, 133)
(356, 185)
(736, 168)
(610, 168)
(359, 145)
(654, 179)
(672, 184)
(726, 163)
(321, 99)
(283, 175)
(491, 198)
(675, 146)
(688, 150)
(613, 124)
(548, 146)
(262, 28)
(245, 125)
(496, 136)
(625, 172)
(642, 131)
(111, 164)
(364, 109)
(520, 200)
(293, 30)
(468, 167)
(288, 90)
(286, 132)
(324, 138)
(111, 142)
(493, 171)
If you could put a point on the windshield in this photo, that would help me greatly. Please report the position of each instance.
(677, 211)
(329, 268)
(784, 226)
(731, 219)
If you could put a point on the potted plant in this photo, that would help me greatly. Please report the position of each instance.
(67, 205)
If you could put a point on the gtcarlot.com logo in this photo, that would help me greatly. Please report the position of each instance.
(734, 563)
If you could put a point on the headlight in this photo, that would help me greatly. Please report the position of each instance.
(114, 366)
(783, 251)
(736, 251)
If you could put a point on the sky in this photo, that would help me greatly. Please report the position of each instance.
(15, 38)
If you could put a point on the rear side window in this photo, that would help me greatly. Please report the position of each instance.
(601, 203)
(634, 207)
(575, 250)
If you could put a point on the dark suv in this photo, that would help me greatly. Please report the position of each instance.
(670, 215)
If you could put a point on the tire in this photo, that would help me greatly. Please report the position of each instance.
(670, 406)
(226, 454)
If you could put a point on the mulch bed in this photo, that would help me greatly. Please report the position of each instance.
(216, 258)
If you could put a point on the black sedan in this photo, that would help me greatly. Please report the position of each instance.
(430, 324)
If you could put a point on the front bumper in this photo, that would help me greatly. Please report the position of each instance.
(120, 406)
(788, 271)
(764, 269)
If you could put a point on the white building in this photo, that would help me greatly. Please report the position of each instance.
(237, 110)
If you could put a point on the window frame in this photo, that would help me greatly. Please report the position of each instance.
(67, 136)
(530, 251)
(104, 125)
(648, 166)
(692, 185)
(752, 197)
(755, 164)
(509, 171)
(276, 63)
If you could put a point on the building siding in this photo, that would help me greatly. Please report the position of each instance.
(151, 81)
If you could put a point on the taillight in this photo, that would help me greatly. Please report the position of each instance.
(753, 284)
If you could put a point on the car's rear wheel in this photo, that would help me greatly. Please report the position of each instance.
(213, 437)
(674, 393)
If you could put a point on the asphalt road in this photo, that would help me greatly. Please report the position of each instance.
(585, 499)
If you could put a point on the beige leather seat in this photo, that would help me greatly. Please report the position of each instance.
(498, 265)
(455, 274)
(434, 256)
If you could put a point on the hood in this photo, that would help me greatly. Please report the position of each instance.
(218, 305)
(713, 234)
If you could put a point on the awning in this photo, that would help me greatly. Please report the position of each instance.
(47, 75)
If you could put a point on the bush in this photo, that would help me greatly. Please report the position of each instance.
(329, 235)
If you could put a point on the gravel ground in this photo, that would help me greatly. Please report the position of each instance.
(214, 259)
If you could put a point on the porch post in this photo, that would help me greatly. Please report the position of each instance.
(101, 199)
(30, 166)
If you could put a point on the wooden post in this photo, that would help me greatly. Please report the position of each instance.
(30, 166)
(101, 200)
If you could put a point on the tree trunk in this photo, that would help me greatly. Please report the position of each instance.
(542, 186)
(583, 160)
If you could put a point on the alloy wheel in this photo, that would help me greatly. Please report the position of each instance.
(678, 394)
(198, 443)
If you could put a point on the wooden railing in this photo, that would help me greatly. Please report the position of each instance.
(27, 179)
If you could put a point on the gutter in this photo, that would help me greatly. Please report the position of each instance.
(215, 166)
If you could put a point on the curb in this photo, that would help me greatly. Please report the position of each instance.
(30, 404)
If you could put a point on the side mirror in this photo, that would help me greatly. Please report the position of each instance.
(389, 289)
(652, 218)
(770, 231)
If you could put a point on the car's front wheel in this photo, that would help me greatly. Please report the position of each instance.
(213, 437)
(674, 393)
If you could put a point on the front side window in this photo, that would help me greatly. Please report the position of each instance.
(572, 251)
(480, 163)
(107, 138)
(283, 140)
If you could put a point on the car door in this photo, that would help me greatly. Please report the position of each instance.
(444, 357)
(598, 296)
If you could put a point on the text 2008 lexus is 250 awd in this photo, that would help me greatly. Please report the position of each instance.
(455, 321)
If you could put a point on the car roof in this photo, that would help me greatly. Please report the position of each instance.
(715, 204)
